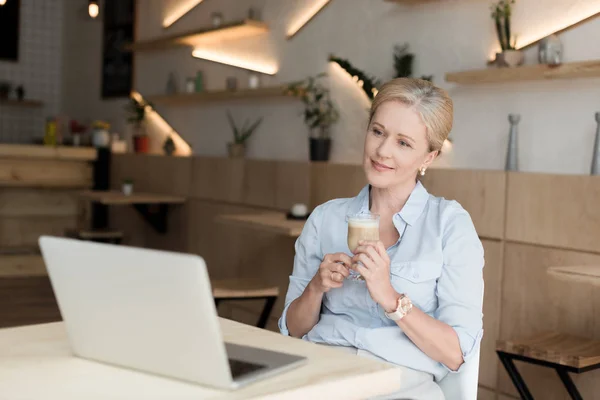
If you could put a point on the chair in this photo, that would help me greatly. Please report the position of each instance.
(463, 385)
(244, 289)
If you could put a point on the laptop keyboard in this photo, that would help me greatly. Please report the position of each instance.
(240, 368)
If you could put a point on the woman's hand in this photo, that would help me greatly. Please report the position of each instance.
(375, 269)
(332, 272)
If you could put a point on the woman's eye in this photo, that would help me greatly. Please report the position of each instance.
(403, 143)
(377, 132)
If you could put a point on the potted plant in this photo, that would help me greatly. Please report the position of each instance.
(100, 134)
(136, 115)
(320, 113)
(510, 56)
(237, 148)
(127, 187)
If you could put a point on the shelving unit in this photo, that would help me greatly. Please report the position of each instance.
(21, 103)
(235, 30)
(218, 95)
(583, 69)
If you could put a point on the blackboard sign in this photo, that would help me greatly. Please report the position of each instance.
(9, 30)
(117, 63)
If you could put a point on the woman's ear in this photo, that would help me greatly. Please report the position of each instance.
(431, 156)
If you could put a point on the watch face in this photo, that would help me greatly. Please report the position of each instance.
(405, 304)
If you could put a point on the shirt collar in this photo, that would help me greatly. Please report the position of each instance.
(411, 211)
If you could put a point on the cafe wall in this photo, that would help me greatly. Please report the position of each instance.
(38, 70)
(557, 127)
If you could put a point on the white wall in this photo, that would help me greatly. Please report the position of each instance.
(38, 69)
(557, 128)
(82, 70)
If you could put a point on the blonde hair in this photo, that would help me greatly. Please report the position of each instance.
(433, 104)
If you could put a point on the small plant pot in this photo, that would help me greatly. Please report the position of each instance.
(319, 149)
(236, 150)
(127, 189)
(512, 58)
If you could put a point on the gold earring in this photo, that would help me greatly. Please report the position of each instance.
(423, 169)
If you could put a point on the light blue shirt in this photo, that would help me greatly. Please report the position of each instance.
(438, 263)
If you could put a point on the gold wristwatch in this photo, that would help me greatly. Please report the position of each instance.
(403, 307)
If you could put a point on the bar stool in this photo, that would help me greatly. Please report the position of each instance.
(245, 289)
(562, 352)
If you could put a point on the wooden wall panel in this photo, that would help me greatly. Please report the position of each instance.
(25, 301)
(492, 275)
(22, 265)
(481, 193)
(554, 210)
(30, 202)
(24, 232)
(292, 184)
(332, 181)
(259, 183)
(485, 394)
(533, 301)
(45, 173)
(218, 179)
(130, 166)
(169, 175)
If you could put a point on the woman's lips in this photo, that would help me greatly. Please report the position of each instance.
(380, 167)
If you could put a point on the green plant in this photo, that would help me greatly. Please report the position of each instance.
(501, 13)
(319, 111)
(136, 111)
(128, 181)
(403, 63)
(240, 135)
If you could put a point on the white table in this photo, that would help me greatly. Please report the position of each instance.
(36, 363)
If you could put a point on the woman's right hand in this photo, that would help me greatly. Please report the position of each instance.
(332, 272)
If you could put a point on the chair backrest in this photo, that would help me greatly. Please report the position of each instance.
(462, 386)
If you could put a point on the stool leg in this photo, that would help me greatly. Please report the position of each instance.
(515, 376)
(266, 312)
(569, 385)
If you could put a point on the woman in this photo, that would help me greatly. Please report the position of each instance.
(420, 303)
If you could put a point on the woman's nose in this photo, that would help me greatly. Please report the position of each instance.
(385, 148)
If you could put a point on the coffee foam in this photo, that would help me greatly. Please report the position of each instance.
(363, 223)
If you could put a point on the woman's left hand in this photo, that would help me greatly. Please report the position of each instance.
(375, 269)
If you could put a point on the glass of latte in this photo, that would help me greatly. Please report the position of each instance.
(361, 226)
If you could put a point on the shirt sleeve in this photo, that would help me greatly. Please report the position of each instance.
(460, 286)
(306, 263)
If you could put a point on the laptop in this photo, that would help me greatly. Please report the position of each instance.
(151, 311)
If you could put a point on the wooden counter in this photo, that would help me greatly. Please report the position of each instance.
(65, 153)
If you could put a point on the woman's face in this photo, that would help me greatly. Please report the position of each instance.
(396, 146)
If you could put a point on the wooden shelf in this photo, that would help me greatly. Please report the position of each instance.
(21, 103)
(231, 31)
(583, 69)
(118, 198)
(218, 95)
(272, 221)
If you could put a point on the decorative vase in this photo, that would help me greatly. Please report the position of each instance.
(512, 155)
(319, 149)
(236, 150)
(512, 58)
(550, 50)
(141, 143)
(127, 188)
(217, 19)
(596, 156)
